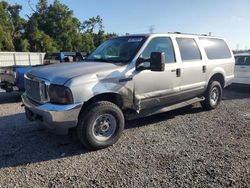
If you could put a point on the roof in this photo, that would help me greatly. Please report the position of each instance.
(172, 33)
(242, 54)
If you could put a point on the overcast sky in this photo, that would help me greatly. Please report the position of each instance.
(229, 19)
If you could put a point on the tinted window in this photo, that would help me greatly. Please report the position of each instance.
(247, 61)
(117, 50)
(189, 49)
(242, 60)
(51, 58)
(160, 44)
(216, 48)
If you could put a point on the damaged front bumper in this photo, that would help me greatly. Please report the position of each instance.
(59, 118)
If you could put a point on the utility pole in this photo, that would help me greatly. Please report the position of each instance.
(151, 28)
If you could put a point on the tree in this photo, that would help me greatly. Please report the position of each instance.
(60, 24)
(51, 27)
(94, 27)
(87, 42)
(90, 25)
(6, 42)
(39, 41)
(18, 26)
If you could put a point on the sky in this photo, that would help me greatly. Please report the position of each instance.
(228, 19)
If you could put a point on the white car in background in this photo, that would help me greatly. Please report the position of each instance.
(242, 68)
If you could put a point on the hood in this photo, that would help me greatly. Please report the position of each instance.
(61, 73)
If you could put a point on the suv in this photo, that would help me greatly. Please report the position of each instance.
(126, 78)
(242, 69)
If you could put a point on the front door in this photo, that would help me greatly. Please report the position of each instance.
(152, 89)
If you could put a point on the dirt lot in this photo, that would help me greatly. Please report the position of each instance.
(184, 148)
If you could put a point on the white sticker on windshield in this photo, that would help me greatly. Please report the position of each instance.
(135, 39)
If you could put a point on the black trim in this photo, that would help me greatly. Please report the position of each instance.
(125, 79)
(171, 99)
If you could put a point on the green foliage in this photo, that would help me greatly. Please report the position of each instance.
(6, 42)
(90, 25)
(87, 42)
(50, 28)
(24, 45)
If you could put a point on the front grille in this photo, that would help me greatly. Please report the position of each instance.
(35, 89)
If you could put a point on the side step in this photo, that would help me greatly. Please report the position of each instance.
(158, 110)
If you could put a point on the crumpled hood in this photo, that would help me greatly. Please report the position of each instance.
(61, 73)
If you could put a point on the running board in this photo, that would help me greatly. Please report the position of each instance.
(153, 111)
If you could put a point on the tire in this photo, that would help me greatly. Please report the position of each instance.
(213, 96)
(100, 125)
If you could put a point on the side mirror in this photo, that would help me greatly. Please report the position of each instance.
(155, 63)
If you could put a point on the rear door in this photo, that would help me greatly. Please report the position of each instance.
(192, 68)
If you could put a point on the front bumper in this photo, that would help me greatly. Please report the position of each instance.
(58, 118)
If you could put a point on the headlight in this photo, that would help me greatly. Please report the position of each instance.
(60, 94)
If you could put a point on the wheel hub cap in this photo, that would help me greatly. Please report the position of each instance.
(104, 127)
(214, 96)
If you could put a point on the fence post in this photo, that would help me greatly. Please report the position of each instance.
(29, 59)
(14, 57)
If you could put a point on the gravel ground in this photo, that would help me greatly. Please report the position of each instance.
(183, 148)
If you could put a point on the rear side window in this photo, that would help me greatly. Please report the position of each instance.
(242, 60)
(189, 49)
(216, 48)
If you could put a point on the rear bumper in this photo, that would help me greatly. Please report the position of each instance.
(229, 80)
(58, 118)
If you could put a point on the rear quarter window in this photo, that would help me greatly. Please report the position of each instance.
(216, 48)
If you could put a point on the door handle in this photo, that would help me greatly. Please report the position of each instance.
(178, 72)
(204, 68)
(242, 67)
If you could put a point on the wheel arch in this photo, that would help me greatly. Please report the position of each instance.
(218, 77)
(108, 96)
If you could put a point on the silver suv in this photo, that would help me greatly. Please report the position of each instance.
(126, 78)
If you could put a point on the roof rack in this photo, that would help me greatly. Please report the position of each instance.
(177, 32)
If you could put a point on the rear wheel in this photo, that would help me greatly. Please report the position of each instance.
(212, 96)
(101, 125)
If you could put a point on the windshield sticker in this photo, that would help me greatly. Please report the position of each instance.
(135, 39)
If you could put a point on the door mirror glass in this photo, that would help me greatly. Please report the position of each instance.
(156, 62)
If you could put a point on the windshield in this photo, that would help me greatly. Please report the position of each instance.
(117, 50)
(51, 58)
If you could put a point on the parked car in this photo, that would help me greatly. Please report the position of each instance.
(127, 78)
(242, 69)
(12, 78)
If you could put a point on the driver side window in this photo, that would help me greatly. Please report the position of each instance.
(160, 44)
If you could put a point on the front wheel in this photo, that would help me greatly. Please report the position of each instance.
(101, 125)
(212, 96)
